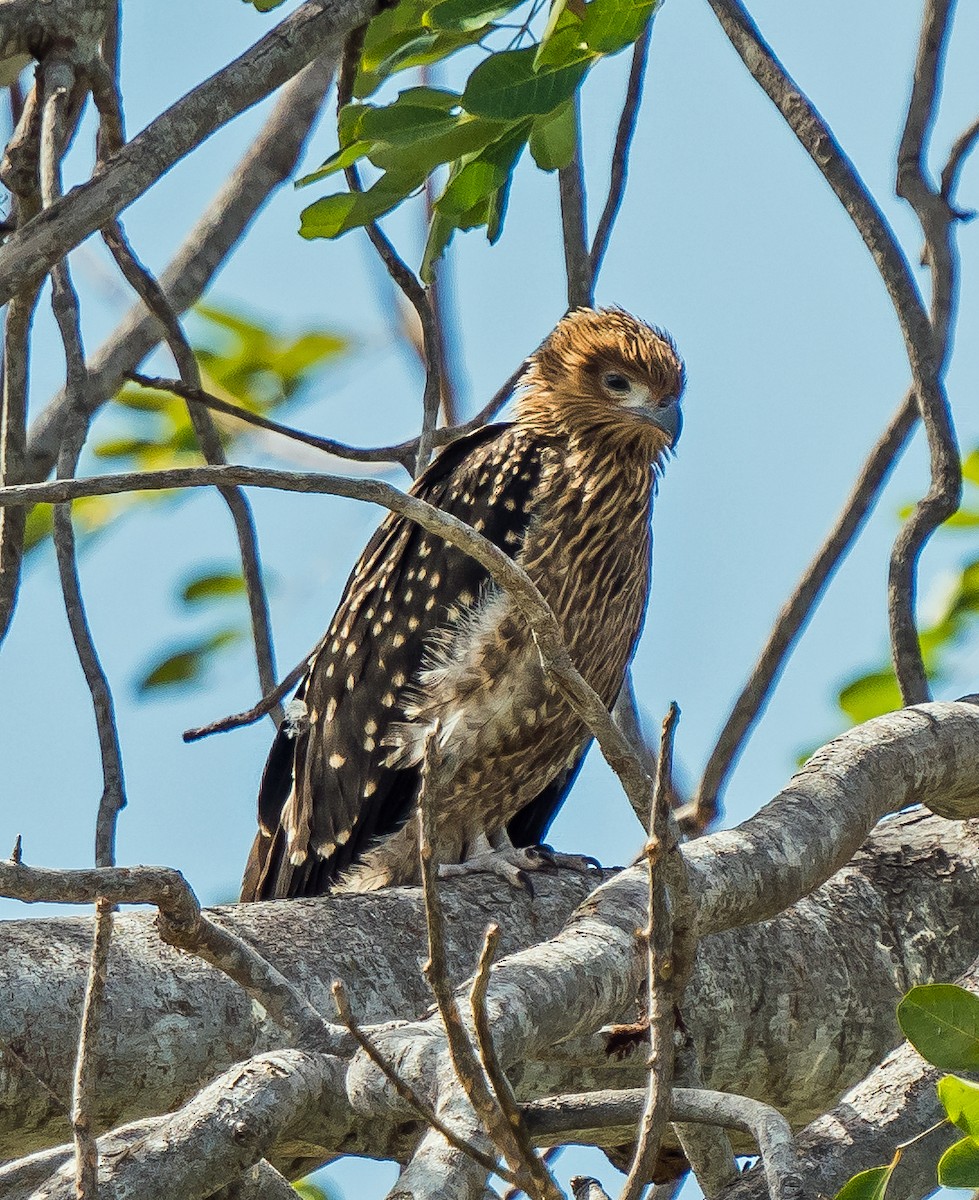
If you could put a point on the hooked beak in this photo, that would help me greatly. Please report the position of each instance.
(668, 418)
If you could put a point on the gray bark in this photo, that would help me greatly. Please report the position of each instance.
(765, 1023)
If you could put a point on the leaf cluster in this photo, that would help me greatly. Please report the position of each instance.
(516, 97)
(941, 1021)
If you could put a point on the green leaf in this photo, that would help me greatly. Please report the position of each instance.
(309, 1191)
(870, 695)
(335, 215)
(424, 47)
(554, 137)
(466, 15)
(941, 1021)
(440, 233)
(958, 1167)
(330, 216)
(187, 664)
(970, 467)
(960, 1099)
(401, 124)
(611, 25)
(467, 136)
(506, 87)
(429, 97)
(868, 1185)
(483, 174)
(265, 5)
(218, 585)
(343, 158)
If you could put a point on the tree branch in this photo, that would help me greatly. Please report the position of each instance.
(577, 261)
(900, 912)
(181, 924)
(794, 616)
(315, 28)
(943, 495)
(270, 160)
(620, 151)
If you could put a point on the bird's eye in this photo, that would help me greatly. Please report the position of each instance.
(616, 382)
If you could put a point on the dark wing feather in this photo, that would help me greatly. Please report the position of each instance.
(326, 793)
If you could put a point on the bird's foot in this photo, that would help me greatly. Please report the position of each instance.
(514, 864)
(583, 863)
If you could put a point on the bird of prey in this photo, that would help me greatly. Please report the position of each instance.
(423, 639)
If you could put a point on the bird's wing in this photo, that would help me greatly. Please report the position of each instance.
(326, 793)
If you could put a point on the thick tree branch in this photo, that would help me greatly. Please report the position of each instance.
(899, 914)
(894, 1104)
(181, 924)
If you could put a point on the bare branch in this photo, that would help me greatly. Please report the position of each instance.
(660, 980)
(224, 1130)
(577, 261)
(58, 80)
(308, 31)
(399, 271)
(564, 1115)
(153, 296)
(270, 160)
(962, 147)
(181, 924)
(933, 211)
(257, 711)
(83, 1089)
(469, 1071)
(536, 1166)
(13, 444)
(943, 495)
(408, 1093)
(794, 616)
(620, 151)
(197, 395)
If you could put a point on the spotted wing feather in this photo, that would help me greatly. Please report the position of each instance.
(326, 793)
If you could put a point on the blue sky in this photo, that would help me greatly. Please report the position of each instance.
(728, 238)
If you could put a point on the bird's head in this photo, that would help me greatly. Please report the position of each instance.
(604, 374)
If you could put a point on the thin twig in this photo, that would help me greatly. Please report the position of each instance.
(620, 152)
(181, 924)
(197, 395)
(409, 283)
(58, 80)
(574, 225)
(257, 711)
(962, 147)
(408, 1093)
(660, 991)
(84, 1080)
(936, 217)
(13, 444)
(793, 618)
(942, 498)
(536, 1166)
(468, 1069)
(145, 285)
